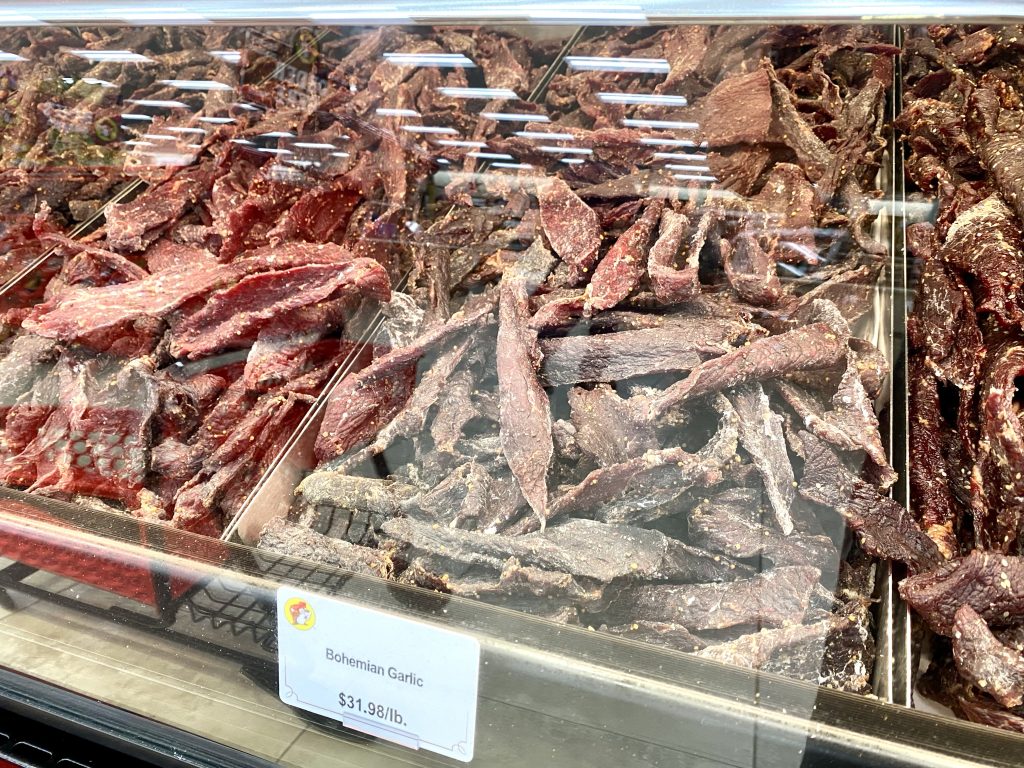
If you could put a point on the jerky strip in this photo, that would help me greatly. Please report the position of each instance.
(671, 285)
(773, 598)
(990, 583)
(812, 347)
(364, 402)
(761, 436)
(885, 528)
(605, 428)
(617, 356)
(660, 633)
(619, 272)
(580, 548)
(984, 661)
(759, 649)
(571, 227)
(295, 540)
(524, 412)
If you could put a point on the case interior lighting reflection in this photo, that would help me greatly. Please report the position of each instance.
(479, 93)
(544, 136)
(689, 168)
(312, 145)
(277, 135)
(140, 118)
(428, 129)
(656, 142)
(653, 99)
(231, 57)
(566, 150)
(665, 125)
(456, 60)
(491, 155)
(573, 160)
(5, 56)
(693, 177)
(198, 85)
(692, 156)
(97, 81)
(462, 143)
(617, 64)
(104, 56)
(158, 103)
(217, 120)
(183, 129)
(515, 117)
(516, 166)
(390, 112)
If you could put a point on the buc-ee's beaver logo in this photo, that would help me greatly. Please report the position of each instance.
(299, 613)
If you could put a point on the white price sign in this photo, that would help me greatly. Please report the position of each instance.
(398, 679)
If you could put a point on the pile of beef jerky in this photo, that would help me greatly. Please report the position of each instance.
(962, 117)
(177, 348)
(621, 387)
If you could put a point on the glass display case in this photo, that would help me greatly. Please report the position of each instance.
(560, 350)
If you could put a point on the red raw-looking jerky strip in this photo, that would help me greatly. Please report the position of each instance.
(233, 316)
(318, 214)
(571, 226)
(81, 311)
(620, 270)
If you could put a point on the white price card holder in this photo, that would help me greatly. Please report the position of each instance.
(396, 678)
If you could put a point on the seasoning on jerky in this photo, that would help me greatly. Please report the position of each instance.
(570, 226)
(984, 661)
(619, 272)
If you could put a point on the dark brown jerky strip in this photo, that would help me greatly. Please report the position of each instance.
(411, 420)
(571, 227)
(761, 436)
(454, 410)
(985, 242)
(605, 428)
(751, 271)
(1000, 457)
(363, 403)
(619, 272)
(525, 588)
(773, 598)
(985, 712)
(294, 540)
(984, 661)
(850, 425)
(812, 347)
(660, 633)
(637, 490)
(789, 646)
(617, 356)
(524, 413)
(580, 548)
(852, 291)
(932, 501)
(789, 128)
(670, 284)
(731, 523)
(885, 528)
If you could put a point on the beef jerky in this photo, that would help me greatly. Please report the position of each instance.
(669, 284)
(455, 409)
(985, 243)
(233, 316)
(524, 413)
(751, 271)
(580, 548)
(739, 110)
(403, 319)
(134, 225)
(79, 312)
(982, 711)
(347, 506)
(363, 403)
(459, 501)
(619, 272)
(761, 436)
(790, 129)
(285, 538)
(795, 650)
(984, 661)
(932, 501)
(432, 383)
(637, 490)
(661, 633)
(990, 583)
(605, 428)
(884, 527)
(848, 658)
(773, 598)
(812, 347)
(733, 522)
(1000, 452)
(317, 214)
(850, 425)
(624, 355)
(570, 226)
